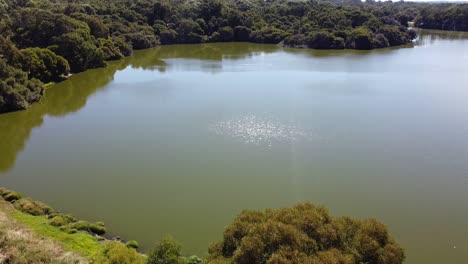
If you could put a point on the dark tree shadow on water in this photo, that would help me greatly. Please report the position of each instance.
(72, 94)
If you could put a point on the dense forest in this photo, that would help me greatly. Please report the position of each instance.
(444, 17)
(45, 41)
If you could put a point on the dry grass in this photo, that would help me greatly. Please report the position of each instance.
(20, 245)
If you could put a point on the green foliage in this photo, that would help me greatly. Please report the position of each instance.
(80, 242)
(226, 33)
(9, 195)
(132, 244)
(67, 229)
(442, 16)
(304, 233)
(88, 227)
(268, 35)
(32, 207)
(44, 65)
(166, 252)
(17, 92)
(361, 38)
(324, 40)
(81, 53)
(241, 33)
(117, 253)
(58, 221)
(193, 260)
(39, 39)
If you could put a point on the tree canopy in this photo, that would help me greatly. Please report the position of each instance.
(304, 233)
(49, 39)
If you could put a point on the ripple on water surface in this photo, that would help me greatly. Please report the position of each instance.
(259, 130)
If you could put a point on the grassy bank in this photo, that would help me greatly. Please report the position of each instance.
(21, 242)
(32, 232)
(82, 243)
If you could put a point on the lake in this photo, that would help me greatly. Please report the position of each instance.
(178, 139)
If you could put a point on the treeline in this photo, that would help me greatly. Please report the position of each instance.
(443, 17)
(47, 40)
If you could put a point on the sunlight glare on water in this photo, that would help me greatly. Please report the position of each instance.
(259, 130)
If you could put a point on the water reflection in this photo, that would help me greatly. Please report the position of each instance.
(60, 100)
(71, 95)
(429, 37)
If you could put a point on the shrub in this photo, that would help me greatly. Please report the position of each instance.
(215, 37)
(298, 40)
(226, 33)
(67, 217)
(132, 244)
(17, 92)
(194, 260)
(304, 233)
(166, 252)
(268, 35)
(9, 195)
(241, 33)
(117, 253)
(141, 40)
(320, 40)
(88, 227)
(44, 65)
(360, 38)
(67, 229)
(32, 207)
(58, 221)
(169, 36)
(109, 49)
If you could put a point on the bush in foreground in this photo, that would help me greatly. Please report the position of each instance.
(304, 233)
(10, 195)
(117, 253)
(88, 227)
(28, 205)
(132, 244)
(166, 252)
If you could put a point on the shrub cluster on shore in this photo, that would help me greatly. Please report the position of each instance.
(66, 223)
(304, 233)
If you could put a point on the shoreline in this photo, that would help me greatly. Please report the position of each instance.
(62, 232)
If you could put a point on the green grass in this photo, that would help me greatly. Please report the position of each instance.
(82, 243)
(49, 84)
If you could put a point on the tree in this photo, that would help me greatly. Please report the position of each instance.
(304, 233)
(226, 34)
(44, 65)
(360, 38)
(17, 92)
(80, 53)
(166, 252)
(321, 40)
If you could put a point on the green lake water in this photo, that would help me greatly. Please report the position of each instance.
(178, 139)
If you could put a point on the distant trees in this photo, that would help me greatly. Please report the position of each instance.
(444, 17)
(267, 34)
(62, 34)
(41, 38)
